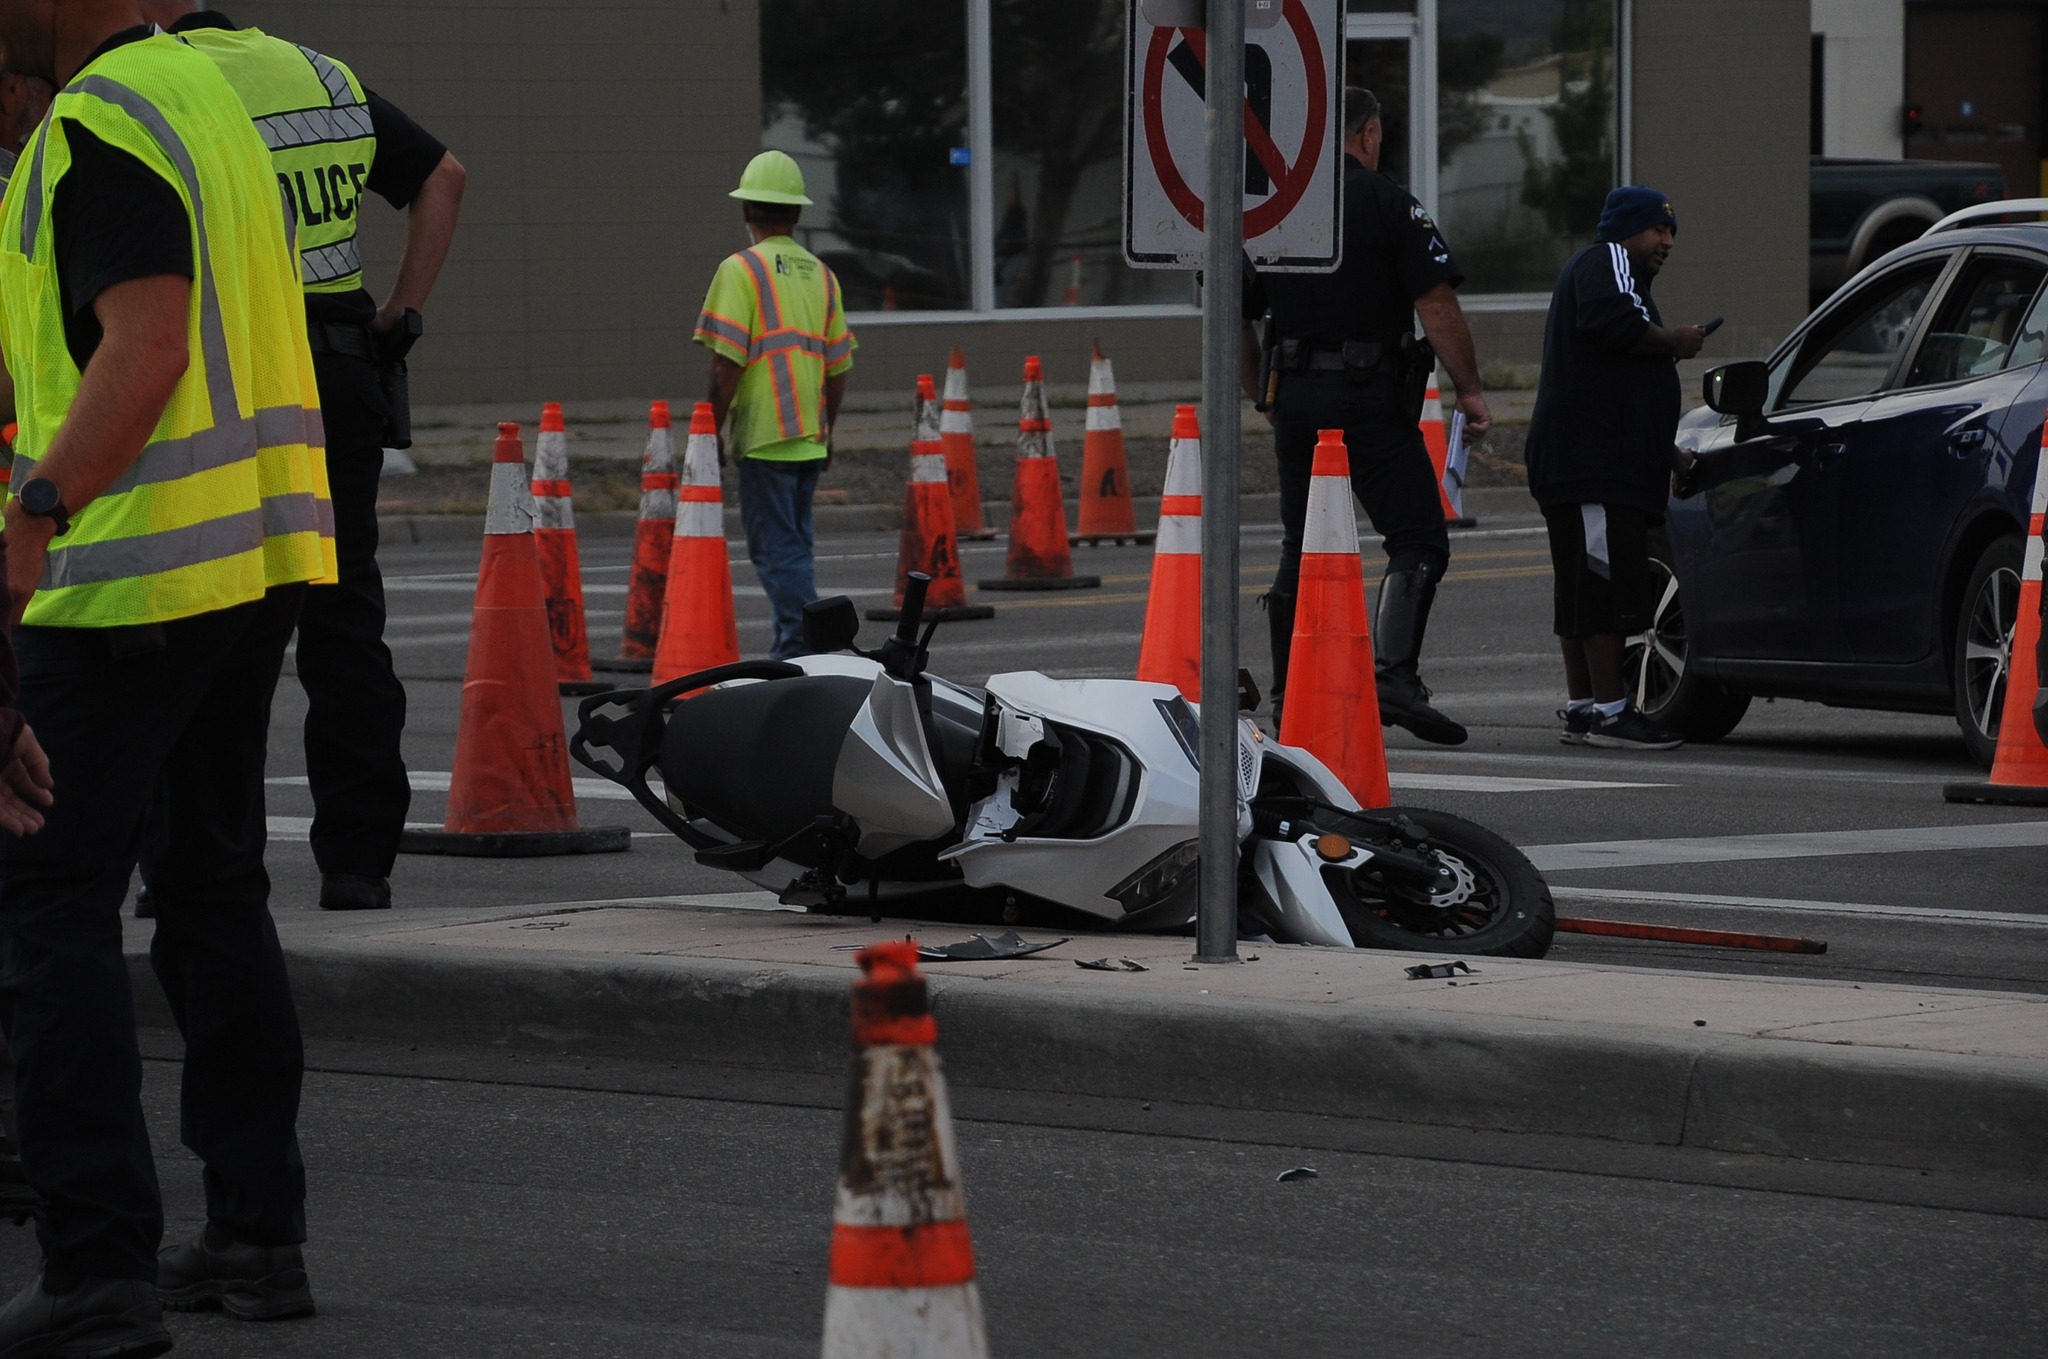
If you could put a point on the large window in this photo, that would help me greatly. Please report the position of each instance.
(1526, 134)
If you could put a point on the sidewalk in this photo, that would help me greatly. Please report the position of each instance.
(1882, 1075)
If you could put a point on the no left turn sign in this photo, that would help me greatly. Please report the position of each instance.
(1293, 105)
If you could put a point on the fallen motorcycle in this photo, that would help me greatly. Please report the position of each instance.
(854, 782)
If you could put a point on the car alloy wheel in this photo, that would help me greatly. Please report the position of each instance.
(1653, 664)
(1987, 648)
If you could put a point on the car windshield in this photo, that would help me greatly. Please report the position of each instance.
(1851, 349)
(1979, 322)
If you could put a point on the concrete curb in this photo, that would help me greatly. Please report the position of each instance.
(1262, 508)
(1718, 1092)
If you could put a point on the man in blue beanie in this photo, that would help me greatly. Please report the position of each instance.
(1601, 456)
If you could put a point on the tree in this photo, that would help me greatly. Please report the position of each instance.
(1570, 191)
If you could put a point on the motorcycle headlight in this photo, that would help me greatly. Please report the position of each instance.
(1159, 879)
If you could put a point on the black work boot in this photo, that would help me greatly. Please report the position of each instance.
(354, 892)
(254, 1283)
(1405, 597)
(1280, 629)
(100, 1318)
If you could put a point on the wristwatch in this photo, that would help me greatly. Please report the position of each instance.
(39, 497)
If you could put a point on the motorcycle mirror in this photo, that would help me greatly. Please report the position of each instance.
(831, 624)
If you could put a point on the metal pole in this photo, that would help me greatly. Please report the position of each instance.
(1222, 446)
(981, 168)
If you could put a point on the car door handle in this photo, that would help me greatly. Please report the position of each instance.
(1827, 454)
(1964, 442)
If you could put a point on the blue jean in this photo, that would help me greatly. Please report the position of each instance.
(775, 506)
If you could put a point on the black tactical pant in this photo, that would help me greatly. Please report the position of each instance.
(176, 717)
(1390, 470)
(355, 711)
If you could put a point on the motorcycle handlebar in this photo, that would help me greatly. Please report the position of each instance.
(914, 587)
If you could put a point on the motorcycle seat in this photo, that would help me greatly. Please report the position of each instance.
(758, 759)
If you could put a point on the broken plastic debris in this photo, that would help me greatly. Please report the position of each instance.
(1436, 971)
(1298, 1173)
(979, 948)
(1105, 965)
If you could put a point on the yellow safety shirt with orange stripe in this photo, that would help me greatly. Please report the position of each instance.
(775, 309)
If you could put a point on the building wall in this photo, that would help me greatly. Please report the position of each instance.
(1864, 59)
(600, 139)
(1720, 124)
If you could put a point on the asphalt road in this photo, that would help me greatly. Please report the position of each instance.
(1792, 826)
(587, 1211)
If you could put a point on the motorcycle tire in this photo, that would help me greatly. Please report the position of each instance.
(1500, 909)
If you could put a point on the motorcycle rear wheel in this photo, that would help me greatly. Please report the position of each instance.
(1500, 907)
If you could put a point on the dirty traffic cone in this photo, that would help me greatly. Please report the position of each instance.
(1171, 652)
(698, 626)
(1333, 705)
(1039, 557)
(902, 1271)
(647, 588)
(1106, 511)
(1437, 440)
(511, 795)
(956, 433)
(2019, 771)
(929, 544)
(561, 567)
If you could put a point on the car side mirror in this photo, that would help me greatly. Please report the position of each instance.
(831, 624)
(1737, 388)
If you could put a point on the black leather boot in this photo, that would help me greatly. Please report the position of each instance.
(1280, 629)
(1405, 597)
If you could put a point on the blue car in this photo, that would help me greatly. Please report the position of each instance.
(1855, 529)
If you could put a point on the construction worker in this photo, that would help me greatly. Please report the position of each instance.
(1348, 359)
(780, 352)
(332, 143)
(169, 509)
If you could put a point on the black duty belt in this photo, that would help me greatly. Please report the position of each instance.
(348, 341)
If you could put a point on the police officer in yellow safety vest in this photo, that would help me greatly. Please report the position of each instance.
(333, 144)
(780, 352)
(169, 508)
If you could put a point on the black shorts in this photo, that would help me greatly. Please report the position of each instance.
(1600, 556)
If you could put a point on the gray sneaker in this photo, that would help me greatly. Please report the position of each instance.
(1630, 730)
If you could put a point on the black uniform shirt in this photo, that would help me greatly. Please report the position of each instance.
(406, 155)
(1393, 254)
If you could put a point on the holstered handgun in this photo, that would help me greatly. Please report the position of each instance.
(1417, 366)
(392, 347)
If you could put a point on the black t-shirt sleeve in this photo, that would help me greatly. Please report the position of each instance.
(1421, 255)
(115, 220)
(406, 153)
(1252, 302)
(1610, 308)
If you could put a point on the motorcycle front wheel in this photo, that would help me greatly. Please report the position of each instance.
(1497, 906)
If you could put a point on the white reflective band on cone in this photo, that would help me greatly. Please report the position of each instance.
(700, 460)
(1180, 535)
(511, 508)
(661, 451)
(955, 422)
(925, 429)
(700, 519)
(928, 467)
(904, 1323)
(1102, 419)
(551, 456)
(1330, 527)
(2041, 480)
(553, 512)
(1184, 468)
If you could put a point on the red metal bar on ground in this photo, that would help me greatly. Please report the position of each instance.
(1673, 934)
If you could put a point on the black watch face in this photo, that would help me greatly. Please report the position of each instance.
(39, 497)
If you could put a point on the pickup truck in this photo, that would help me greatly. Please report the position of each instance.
(1861, 209)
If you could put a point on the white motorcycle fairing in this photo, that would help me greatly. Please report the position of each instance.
(886, 779)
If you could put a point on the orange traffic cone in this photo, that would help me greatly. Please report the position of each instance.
(1333, 703)
(561, 566)
(1438, 442)
(698, 626)
(902, 1271)
(928, 539)
(1106, 510)
(647, 588)
(511, 796)
(956, 433)
(1172, 650)
(2019, 771)
(1039, 557)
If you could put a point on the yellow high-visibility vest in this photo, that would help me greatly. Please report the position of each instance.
(774, 309)
(230, 496)
(310, 112)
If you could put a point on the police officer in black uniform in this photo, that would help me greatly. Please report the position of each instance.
(1345, 356)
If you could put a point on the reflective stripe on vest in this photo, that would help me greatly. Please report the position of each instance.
(310, 112)
(220, 505)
